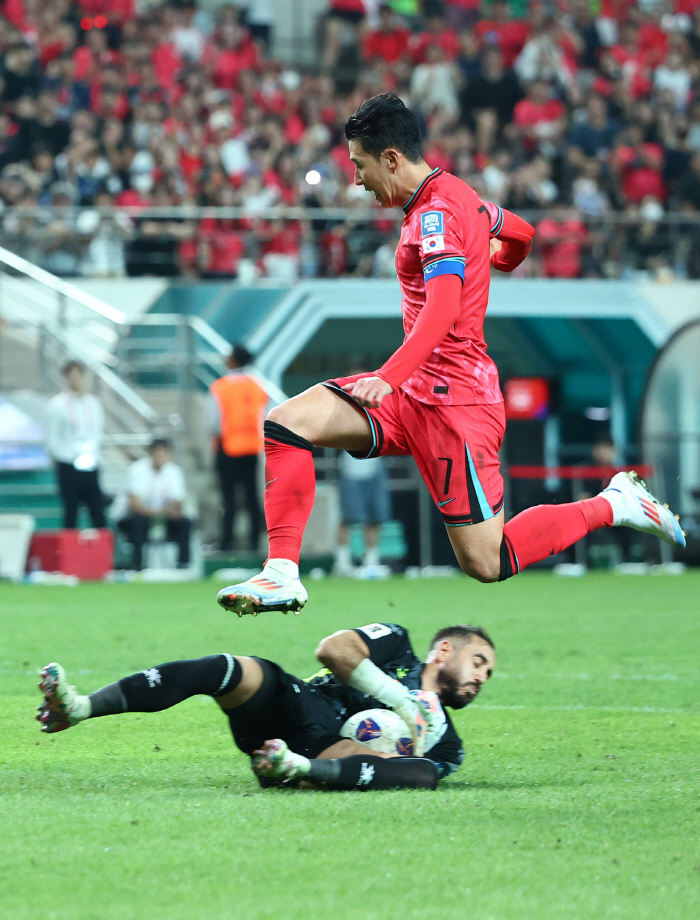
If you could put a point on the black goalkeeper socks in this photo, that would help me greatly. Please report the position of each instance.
(363, 773)
(168, 684)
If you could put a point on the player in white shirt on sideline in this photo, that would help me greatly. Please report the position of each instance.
(74, 428)
(156, 493)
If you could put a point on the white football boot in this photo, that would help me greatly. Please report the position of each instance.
(63, 706)
(275, 588)
(276, 761)
(634, 506)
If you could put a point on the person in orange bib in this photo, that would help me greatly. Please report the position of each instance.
(237, 413)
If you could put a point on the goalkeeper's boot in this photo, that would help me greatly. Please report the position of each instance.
(63, 707)
(276, 761)
(634, 506)
(272, 589)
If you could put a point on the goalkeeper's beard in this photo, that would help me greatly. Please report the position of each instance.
(452, 691)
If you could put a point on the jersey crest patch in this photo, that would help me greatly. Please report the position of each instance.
(432, 222)
(375, 630)
(434, 243)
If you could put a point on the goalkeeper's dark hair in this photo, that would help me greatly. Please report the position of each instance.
(384, 121)
(461, 636)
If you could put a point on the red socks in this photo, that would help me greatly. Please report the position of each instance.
(290, 488)
(545, 530)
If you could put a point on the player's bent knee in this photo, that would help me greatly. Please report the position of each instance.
(247, 677)
(480, 568)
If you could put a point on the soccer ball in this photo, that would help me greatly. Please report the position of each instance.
(380, 730)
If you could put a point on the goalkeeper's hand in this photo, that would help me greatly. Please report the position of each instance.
(422, 716)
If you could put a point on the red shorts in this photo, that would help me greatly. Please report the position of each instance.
(455, 448)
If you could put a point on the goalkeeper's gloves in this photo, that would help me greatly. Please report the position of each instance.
(421, 721)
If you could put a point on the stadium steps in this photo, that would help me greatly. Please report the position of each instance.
(31, 492)
(19, 360)
(231, 311)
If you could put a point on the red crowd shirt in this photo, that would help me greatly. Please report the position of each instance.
(509, 36)
(447, 40)
(561, 246)
(641, 172)
(446, 231)
(389, 46)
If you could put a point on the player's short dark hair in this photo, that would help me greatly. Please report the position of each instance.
(160, 442)
(72, 365)
(384, 121)
(461, 635)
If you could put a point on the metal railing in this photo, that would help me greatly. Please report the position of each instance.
(227, 242)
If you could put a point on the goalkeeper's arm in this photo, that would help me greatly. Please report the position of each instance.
(346, 654)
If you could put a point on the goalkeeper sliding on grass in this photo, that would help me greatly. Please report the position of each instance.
(291, 728)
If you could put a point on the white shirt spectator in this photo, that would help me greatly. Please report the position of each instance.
(74, 429)
(156, 488)
(234, 156)
(358, 470)
(676, 80)
(433, 87)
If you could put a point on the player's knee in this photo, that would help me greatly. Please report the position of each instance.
(295, 416)
(483, 568)
(280, 414)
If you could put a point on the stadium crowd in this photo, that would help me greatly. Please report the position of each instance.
(582, 115)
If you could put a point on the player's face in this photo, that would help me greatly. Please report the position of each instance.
(374, 175)
(463, 672)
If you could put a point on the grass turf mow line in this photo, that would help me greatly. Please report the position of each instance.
(579, 798)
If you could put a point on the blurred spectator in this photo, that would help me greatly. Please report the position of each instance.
(592, 137)
(343, 28)
(501, 30)
(364, 499)
(688, 188)
(539, 119)
(164, 104)
(562, 237)
(389, 42)
(236, 411)
(433, 85)
(384, 263)
(649, 241)
(488, 101)
(75, 425)
(637, 167)
(156, 494)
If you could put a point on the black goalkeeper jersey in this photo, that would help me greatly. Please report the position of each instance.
(391, 650)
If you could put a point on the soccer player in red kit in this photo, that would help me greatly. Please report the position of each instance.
(437, 397)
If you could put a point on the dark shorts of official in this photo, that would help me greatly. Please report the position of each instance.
(365, 501)
(288, 708)
(455, 448)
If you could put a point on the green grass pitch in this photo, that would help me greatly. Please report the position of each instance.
(579, 797)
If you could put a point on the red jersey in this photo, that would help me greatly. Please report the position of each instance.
(446, 231)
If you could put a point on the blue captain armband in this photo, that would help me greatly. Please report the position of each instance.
(448, 266)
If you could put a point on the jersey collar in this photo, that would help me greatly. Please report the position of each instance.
(413, 200)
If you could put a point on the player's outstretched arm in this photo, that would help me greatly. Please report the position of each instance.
(342, 652)
(440, 313)
(347, 655)
(516, 237)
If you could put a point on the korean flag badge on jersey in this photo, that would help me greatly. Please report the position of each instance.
(433, 244)
(432, 223)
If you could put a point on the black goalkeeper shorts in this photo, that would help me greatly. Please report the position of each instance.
(288, 708)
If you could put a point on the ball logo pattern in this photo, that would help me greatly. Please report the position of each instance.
(404, 747)
(367, 730)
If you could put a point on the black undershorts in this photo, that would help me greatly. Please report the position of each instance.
(288, 708)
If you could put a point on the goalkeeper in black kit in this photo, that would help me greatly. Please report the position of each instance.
(291, 728)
